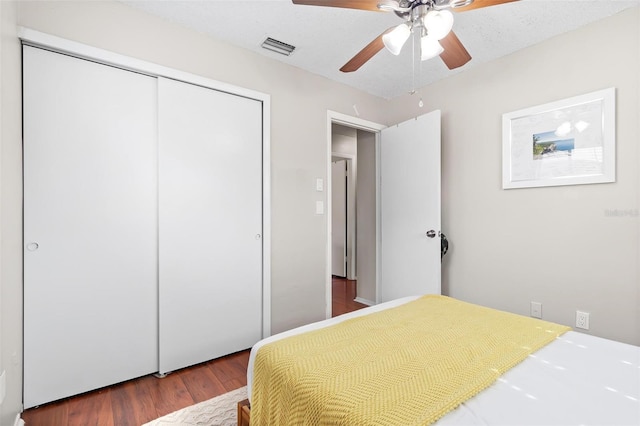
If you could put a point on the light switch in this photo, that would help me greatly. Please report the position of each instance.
(319, 185)
(319, 207)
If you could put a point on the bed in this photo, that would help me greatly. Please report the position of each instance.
(570, 379)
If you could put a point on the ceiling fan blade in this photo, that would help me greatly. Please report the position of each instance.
(455, 55)
(477, 4)
(348, 4)
(365, 54)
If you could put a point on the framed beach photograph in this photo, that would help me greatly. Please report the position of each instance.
(568, 142)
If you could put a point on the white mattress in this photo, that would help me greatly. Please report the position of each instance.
(576, 380)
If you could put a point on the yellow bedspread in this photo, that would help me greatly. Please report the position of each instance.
(407, 365)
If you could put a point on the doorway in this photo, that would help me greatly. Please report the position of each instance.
(404, 211)
(353, 143)
(344, 141)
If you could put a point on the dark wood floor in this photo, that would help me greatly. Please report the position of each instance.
(343, 292)
(141, 400)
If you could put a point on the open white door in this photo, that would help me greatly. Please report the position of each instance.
(410, 208)
(339, 218)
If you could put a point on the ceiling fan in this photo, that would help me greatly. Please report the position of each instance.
(432, 19)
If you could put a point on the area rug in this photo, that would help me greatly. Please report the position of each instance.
(219, 411)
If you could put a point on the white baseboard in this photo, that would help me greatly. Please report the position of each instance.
(364, 301)
(19, 421)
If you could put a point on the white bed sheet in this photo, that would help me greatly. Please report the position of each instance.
(576, 380)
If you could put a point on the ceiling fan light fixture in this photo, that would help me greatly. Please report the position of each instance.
(395, 39)
(459, 3)
(430, 47)
(392, 6)
(438, 23)
(386, 7)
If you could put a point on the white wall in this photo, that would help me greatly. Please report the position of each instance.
(343, 139)
(366, 217)
(554, 245)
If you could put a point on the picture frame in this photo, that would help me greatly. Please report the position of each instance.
(567, 142)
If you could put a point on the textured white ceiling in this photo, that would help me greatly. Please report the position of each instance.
(326, 38)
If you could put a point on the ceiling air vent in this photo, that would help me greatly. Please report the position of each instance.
(278, 46)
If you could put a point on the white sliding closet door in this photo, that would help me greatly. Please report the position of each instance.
(90, 225)
(210, 151)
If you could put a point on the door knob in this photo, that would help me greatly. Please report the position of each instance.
(431, 233)
(32, 246)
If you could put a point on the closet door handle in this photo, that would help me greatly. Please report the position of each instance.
(431, 233)
(258, 236)
(33, 246)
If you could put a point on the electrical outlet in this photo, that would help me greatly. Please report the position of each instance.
(536, 309)
(582, 320)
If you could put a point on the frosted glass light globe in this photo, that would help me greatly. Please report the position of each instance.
(395, 39)
(429, 47)
(438, 23)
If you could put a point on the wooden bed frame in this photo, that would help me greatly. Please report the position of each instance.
(244, 413)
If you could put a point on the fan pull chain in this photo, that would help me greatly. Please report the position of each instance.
(416, 34)
(413, 61)
(420, 103)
